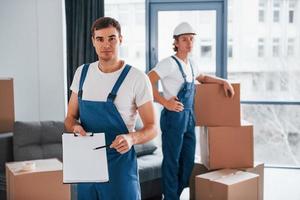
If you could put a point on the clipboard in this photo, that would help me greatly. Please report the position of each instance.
(83, 160)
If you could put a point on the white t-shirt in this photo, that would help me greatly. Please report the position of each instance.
(135, 90)
(171, 77)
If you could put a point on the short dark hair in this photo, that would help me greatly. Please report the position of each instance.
(174, 46)
(105, 22)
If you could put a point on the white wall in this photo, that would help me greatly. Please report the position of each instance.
(31, 51)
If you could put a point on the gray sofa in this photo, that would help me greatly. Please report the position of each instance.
(39, 140)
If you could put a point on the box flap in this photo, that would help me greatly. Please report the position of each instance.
(44, 165)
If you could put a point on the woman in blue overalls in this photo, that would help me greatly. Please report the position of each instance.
(103, 115)
(177, 75)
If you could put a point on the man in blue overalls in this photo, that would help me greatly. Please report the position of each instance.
(177, 74)
(106, 96)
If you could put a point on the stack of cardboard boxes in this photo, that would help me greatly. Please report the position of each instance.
(44, 181)
(226, 145)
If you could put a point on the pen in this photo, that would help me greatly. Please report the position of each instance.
(101, 147)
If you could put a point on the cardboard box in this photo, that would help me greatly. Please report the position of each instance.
(44, 182)
(227, 147)
(213, 108)
(258, 169)
(227, 184)
(7, 113)
(198, 169)
(6, 150)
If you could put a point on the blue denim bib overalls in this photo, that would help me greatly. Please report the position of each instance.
(178, 141)
(103, 116)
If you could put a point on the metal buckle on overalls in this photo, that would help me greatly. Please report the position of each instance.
(112, 96)
(80, 93)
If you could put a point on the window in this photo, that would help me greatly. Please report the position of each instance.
(124, 14)
(262, 3)
(131, 15)
(276, 48)
(230, 53)
(291, 16)
(276, 3)
(277, 139)
(269, 85)
(292, 6)
(123, 51)
(268, 68)
(276, 16)
(109, 10)
(276, 11)
(261, 10)
(256, 81)
(230, 5)
(206, 51)
(261, 15)
(139, 14)
(284, 83)
(206, 48)
(290, 47)
(261, 48)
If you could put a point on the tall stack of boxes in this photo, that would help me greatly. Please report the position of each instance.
(7, 118)
(226, 145)
(42, 182)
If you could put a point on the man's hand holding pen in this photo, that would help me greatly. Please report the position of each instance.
(122, 143)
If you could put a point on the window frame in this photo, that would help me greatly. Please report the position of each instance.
(152, 8)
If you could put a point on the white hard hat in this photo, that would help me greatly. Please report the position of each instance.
(183, 28)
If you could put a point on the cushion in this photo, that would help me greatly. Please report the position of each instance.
(145, 149)
(37, 140)
(150, 166)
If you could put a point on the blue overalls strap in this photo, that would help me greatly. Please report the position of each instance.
(180, 68)
(82, 78)
(192, 70)
(112, 95)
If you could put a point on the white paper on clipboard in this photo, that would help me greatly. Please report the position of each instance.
(81, 163)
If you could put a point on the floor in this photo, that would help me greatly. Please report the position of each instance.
(279, 184)
(282, 184)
